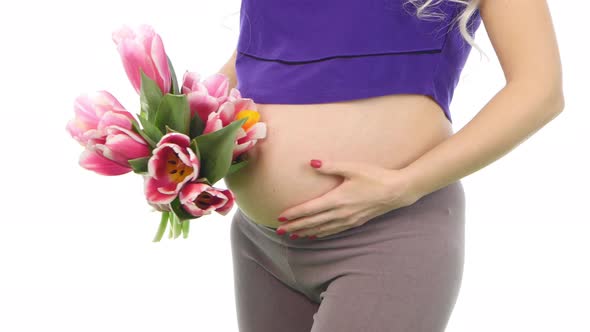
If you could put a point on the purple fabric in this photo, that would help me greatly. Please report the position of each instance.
(310, 51)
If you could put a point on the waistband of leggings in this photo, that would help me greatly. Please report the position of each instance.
(271, 231)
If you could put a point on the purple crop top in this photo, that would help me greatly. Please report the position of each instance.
(318, 51)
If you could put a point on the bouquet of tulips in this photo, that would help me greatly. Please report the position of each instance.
(184, 140)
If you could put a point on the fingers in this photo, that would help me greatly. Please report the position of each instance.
(332, 231)
(313, 221)
(330, 200)
(325, 229)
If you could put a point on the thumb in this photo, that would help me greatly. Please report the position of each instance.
(343, 168)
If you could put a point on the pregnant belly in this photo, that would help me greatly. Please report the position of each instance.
(390, 131)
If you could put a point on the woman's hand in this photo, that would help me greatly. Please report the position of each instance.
(366, 192)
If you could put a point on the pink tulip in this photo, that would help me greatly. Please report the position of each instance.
(172, 164)
(236, 108)
(206, 96)
(142, 48)
(104, 128)
(199, 199)
(90, 110)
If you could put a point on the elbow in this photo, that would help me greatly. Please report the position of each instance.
(555, 97)
(555, 103)
(560, 101)
(550, 99)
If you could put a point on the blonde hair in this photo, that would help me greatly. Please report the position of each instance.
(471, 6)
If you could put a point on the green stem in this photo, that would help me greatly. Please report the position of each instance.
(185, 227)
(171, 230)
(177, 227)
(162, 227)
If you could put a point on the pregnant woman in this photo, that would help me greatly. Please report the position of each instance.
(351, 211)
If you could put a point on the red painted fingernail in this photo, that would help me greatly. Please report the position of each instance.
(281, 219)
(280, 231)
(313, 237)
(316, 163)
(293, 236)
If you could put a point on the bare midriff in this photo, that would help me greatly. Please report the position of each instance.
(390, 131)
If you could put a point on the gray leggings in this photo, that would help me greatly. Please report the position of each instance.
(399, 272)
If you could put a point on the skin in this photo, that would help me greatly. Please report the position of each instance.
(524, 40)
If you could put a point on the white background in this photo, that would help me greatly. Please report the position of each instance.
(76, 251)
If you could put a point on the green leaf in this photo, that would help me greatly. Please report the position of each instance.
(162, 226)
(236, 166)
(203, 180)
(195, 149)
(174, 89)
(179, 211)
(170, 130)
(141, 133)
(149, 97)
(173, 112)
(139, 165)
(151, 131)
(216, 149)
(197, 126)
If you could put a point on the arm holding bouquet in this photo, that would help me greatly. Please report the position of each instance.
(229, 70)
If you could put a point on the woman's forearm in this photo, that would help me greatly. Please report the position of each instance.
(516, 112)
(229, 69)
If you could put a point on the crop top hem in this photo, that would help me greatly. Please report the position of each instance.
(346, 78)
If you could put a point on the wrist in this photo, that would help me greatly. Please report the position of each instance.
(414, 188)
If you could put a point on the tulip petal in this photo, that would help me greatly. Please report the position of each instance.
(112, 118)
(85, 112)
(190, 80)
(121, 33)
(152, 193)
(133, 58)
(92, 160)
(213, 123)
(257, 131)
(227, 112)
(244, 104)
(114, 130)
(160, 61)
(75, 130)
(179, 139)
(105, 98)
(202, 104)
(144, 34)
(217, 85)
(242, 148)
(234, 94)
(126, 147)
(223, 210)
(157, 162)
(191, 191)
